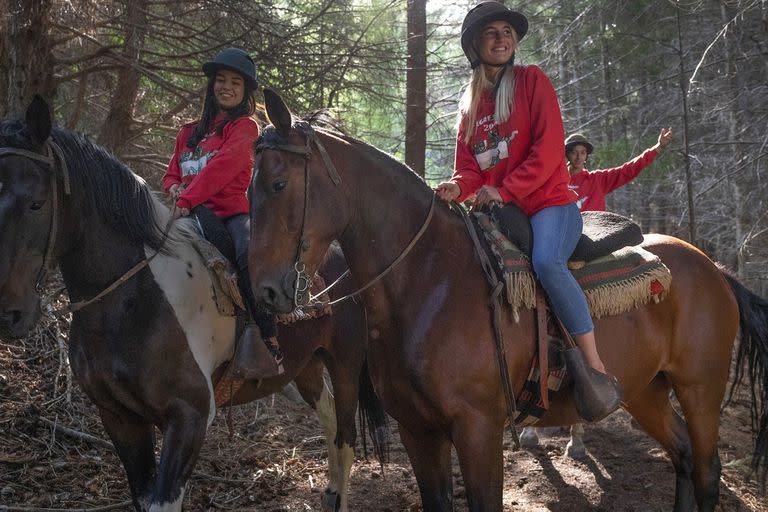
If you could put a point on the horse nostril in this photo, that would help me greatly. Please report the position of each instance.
(268, 295)
(11, 318)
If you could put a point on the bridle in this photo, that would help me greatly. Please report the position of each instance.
(52, 154)
(301, 292)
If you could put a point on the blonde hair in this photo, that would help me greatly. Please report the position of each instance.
(470, 99)
(478, 84)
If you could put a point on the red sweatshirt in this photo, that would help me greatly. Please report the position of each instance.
(524, 158)
(218, 171)
(593, 186)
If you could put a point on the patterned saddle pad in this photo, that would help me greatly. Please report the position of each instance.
(613, 284)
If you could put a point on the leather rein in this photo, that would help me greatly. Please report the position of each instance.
(301, 293)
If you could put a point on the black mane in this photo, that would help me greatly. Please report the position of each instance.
(110, 189)
(323, 122)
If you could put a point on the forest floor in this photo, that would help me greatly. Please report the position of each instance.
(276, 459)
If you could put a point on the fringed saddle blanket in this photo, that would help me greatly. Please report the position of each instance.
(229, 299)
(613, 284)
(226, 292)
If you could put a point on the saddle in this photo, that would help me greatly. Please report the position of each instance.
(602, 234)
(615, 278)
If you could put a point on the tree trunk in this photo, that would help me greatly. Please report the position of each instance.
(416, 87)
(687, 154)
(26, 61)
(117, 128)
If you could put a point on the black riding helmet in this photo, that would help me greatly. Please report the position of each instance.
(482, 14)
(236, 60)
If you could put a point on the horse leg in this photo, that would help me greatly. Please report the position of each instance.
(135, 446)
(344, 402)
(655, 414)
(575, 448)
(701, 406)
(183, 435)
(430, 456)
(479, 443)
(314, 390)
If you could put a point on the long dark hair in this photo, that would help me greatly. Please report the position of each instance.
(247, 107)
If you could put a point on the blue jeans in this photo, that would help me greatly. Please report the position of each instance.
(556, 230)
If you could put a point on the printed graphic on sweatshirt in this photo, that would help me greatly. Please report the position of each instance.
(191, 163)
(582, 199)
(494, 149)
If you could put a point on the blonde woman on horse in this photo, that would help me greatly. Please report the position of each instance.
(510, 150)
(211, 168)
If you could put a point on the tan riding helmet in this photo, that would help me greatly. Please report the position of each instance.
(576, 139)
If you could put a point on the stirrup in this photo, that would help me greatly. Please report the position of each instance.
(596, 394)
(254, 358)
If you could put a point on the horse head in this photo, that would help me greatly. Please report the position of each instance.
(26, 208)
(296, 207)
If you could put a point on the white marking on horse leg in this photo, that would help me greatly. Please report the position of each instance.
(347, 457)
(326, 413)
(576, 448)
(174, 506)
(144, 502)
(529, 438)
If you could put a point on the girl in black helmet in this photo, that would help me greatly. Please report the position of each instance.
(510, 150)
(211, 169)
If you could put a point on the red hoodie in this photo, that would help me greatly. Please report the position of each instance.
(592, 187)
(524, 158)
(218, 171)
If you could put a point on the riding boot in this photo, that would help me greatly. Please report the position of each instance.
(596, 394)
(256, 357)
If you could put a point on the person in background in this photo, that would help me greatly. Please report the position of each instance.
(509, 150)
(211, 168)
(593, 186)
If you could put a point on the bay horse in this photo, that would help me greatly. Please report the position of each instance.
(432, 356)
(146, 353)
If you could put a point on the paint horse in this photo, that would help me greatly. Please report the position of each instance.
(432, 355)
(145, 353)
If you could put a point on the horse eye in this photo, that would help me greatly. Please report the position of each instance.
(279, 186)
(36, 205)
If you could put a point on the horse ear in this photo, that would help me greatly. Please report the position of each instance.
(277, 112)
(38, 119)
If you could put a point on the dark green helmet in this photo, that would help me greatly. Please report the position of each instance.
(236, 60)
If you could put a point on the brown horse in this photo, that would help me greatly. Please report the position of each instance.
(432, 352)
(146, 353)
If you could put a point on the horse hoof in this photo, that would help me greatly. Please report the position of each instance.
(528, 438)
(330, 501)
(575, 451)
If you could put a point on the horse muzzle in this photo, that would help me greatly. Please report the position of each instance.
(276, 295)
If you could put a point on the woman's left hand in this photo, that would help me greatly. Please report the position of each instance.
(487, 195)
(180, 212)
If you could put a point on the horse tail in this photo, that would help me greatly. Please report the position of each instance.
(752, 360)
(372, 417)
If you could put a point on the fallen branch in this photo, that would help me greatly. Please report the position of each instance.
(114, 506)
(76, 434)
